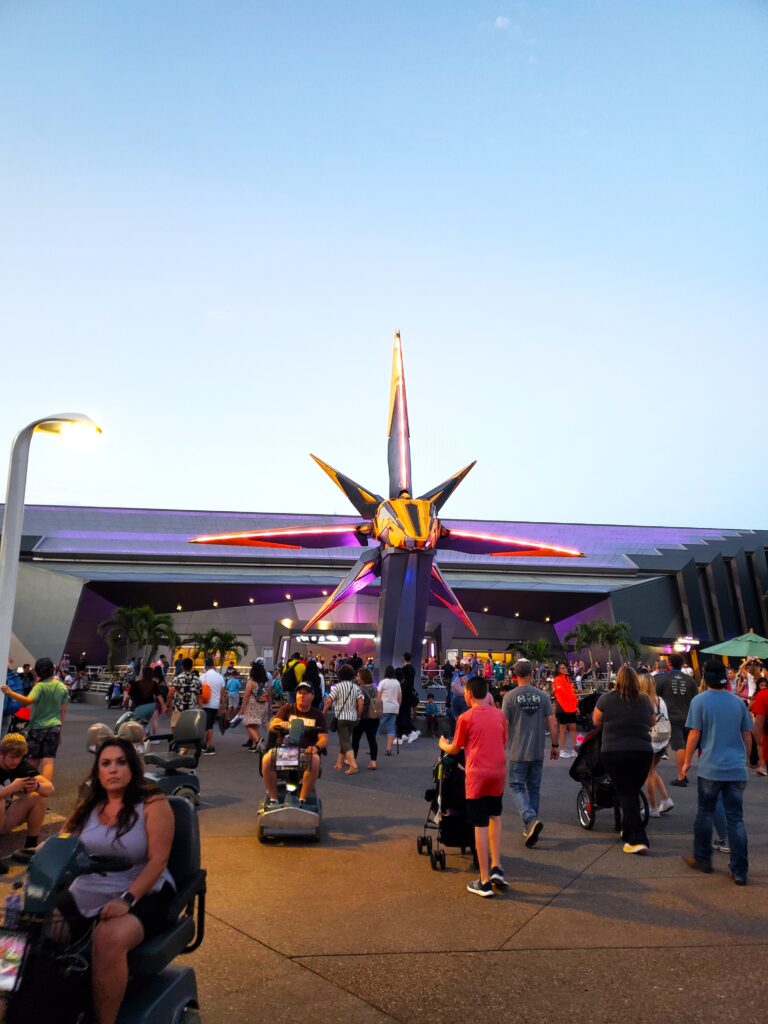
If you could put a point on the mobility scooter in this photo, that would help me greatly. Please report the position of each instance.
(290, 818)
(46, 980)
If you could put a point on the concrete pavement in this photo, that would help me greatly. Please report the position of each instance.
(360, 928)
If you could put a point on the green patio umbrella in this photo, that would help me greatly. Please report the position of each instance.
(750, 645)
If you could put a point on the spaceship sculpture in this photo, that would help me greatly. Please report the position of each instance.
(408, 534)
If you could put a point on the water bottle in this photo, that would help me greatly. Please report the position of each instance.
(13, 904)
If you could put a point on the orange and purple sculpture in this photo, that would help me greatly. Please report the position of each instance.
(407, 534)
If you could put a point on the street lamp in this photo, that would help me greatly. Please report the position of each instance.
(13, 514)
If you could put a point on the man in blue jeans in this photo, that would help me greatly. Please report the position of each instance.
(527, 710)
(721, 729)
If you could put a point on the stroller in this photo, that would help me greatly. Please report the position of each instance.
(446, 814)
(597, 792)
(584, 711)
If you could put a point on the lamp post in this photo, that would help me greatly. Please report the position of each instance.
(13, 515)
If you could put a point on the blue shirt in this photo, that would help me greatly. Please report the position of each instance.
(233, 685)
(721, 718)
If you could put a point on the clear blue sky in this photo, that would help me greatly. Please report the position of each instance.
(214, 214)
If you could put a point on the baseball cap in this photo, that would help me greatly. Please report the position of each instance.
(305, 686)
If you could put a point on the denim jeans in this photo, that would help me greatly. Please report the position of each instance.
(734, 818)
(718, 819)
(525, 783)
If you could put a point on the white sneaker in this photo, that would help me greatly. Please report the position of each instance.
(666, 805)
(564, 753)
(415, 735)
(654, 812)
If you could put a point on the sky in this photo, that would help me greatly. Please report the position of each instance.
(215, 213)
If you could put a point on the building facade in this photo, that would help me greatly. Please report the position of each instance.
(79, 564)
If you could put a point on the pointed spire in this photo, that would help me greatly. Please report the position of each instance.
(440, 494)
(366, 502)
(399, 449)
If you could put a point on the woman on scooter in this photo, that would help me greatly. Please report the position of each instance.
(122, 816)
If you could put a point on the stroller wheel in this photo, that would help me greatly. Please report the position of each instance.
(433, 860)
(644, 815)
(428, 841)
(441, 860)
(420, 843)
(585, 809)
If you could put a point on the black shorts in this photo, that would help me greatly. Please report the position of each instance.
(152, 911)
(211, 714)
(679, 735)
(43, 742)
(566, 717)
(480, 810)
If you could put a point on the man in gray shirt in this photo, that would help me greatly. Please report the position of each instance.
(528, 710)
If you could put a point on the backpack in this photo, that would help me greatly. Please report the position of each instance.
(661, 731)
(205, 693)
(288, 680)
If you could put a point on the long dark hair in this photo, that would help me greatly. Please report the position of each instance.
(258, 673)
(136, 792)
(311, 675)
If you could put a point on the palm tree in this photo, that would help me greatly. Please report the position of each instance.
(154, 629)
(120, 629)
(536, 651)
(217, 641)
(142, 626)
(584, 637)
(619, 635)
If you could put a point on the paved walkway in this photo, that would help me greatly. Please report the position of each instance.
(360, 928)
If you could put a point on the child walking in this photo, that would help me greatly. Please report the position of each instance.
(482, 733)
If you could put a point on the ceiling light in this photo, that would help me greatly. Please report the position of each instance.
(178, 608)
(287, 597)
(215, 604)
(517, 615)
(485, 609)
(547, 619)
(250, 600)
(324, 593)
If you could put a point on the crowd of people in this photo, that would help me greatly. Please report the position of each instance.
(501, 726)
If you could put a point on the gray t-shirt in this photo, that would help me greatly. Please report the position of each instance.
(526, 708)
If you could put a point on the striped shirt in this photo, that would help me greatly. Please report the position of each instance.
(345, 696)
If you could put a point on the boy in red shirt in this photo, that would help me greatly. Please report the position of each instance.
(759, 709)
(482, 732)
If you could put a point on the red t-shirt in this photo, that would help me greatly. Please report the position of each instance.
(482, 731)
(565, 695)
(759, 706)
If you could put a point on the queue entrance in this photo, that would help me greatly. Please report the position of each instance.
(342, 643)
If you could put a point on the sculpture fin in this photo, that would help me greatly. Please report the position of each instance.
(398, 431)
(440, 494)
(365, 570)
(366, 502)
(446, 596)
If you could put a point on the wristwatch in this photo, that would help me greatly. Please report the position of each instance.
(128, 896)
(555, 745)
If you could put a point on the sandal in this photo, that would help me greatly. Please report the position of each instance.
(352, 771)
(371, 767)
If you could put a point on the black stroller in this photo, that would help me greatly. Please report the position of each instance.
(447, 813)
(584, 711)
(597, 792)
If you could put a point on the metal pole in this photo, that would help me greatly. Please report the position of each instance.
(10, 544)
